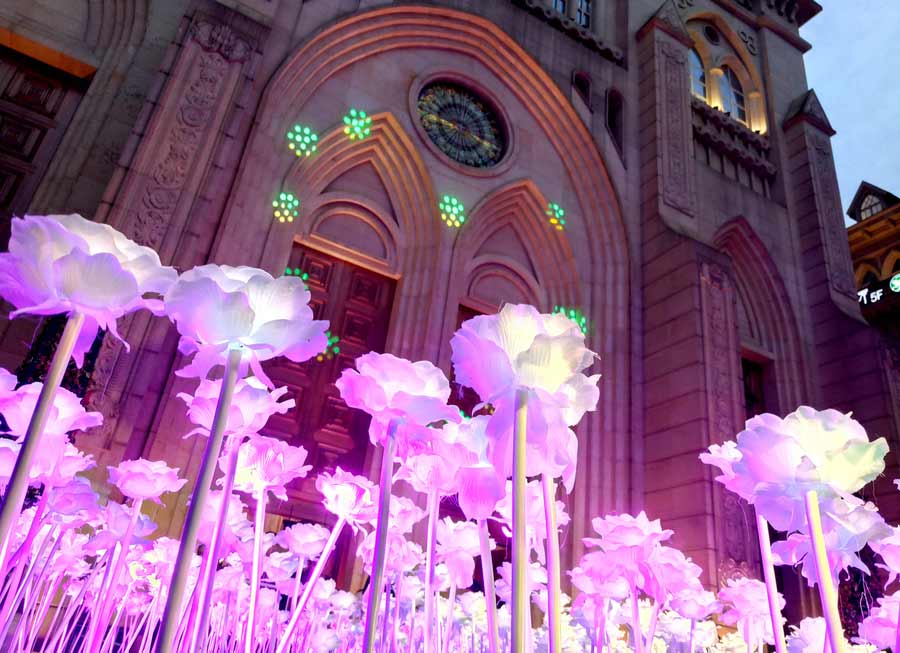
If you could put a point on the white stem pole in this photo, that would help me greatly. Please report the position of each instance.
(765, 551)
(827, 591)
(172, 614)
(17, 486)
(520, 594)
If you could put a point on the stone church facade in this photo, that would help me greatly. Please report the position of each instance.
(702, 241)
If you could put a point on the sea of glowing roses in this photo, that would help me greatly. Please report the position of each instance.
(81, 572)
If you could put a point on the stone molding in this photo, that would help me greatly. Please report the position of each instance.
(734, 525)
(731, 139)
(157, 192)
(565, 24)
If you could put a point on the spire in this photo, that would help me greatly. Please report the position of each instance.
(669, 20)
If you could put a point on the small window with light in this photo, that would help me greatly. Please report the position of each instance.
(870, 206)
(698, 76)
(733, 95)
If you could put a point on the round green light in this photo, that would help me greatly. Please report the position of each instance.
(302, 140)
(286, 207)
(895, 282)
(452, 211)
(556, 214)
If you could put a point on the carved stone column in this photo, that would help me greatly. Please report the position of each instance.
(152, 199)
(735, 529)
(663, 44)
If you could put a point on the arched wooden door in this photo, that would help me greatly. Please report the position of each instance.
(357, 303)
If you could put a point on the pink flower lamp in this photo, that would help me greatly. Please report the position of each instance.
(95, 275)
(403, 398)
(530, 367)
(237, 317)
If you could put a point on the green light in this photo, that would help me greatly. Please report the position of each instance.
(895, 282)
(557, 216)
(302, 140)
(573, 314)
(453, 213)
(357, 124)
(286, 207)
(331, 348)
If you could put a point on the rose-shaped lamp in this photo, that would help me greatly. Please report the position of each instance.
(350, 499)
(403, 398)
(239, 317)
(67, 264)
(508, 359)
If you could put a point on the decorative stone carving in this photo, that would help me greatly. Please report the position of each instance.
(677, 175)
(730, 138)
(749, 40)
(149, 211)
(729, 569)
(724, 412)
(837, 251)
(684, 4)
(222, 39)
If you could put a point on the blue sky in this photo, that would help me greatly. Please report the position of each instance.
(854, 67)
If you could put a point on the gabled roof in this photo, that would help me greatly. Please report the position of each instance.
(865, 189)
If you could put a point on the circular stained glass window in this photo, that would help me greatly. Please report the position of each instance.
(462, 125)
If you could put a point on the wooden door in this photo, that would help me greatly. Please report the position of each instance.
(36, 104)
(357, 303)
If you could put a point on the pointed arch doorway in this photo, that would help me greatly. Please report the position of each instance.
(357, 303)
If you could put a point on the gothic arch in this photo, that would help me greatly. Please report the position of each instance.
(868, 267)
(887, 269)
(768, 309)
(509, 234)
(604, 269)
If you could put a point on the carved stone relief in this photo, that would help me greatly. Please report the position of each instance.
(148, 212)
(734, 521)
(677, 181)
(837, 251)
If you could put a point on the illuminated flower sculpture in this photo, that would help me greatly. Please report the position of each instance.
(89, 271)
(530, 367)
(403, 398)
(747, 607)
(219, 307)
(785, 468)
(880, 627)
(251, 407)
(237, 317)
(351, 499)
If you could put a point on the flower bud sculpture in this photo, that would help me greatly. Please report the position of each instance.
(530, 367)
(237, 317)
(89, 271)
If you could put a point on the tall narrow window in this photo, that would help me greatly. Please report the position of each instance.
(583, 13)
(754, 400)
(560, 6)
(698, 76)
(870, 206)
(733, 95)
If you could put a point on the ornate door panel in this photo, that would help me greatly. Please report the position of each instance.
(36, 105)
(357, 303)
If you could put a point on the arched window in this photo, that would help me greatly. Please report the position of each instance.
(581, 81)
(869, 207)
(733, 95)
(698, 75)
(615, 117)
(583, 13)
(560, 6)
